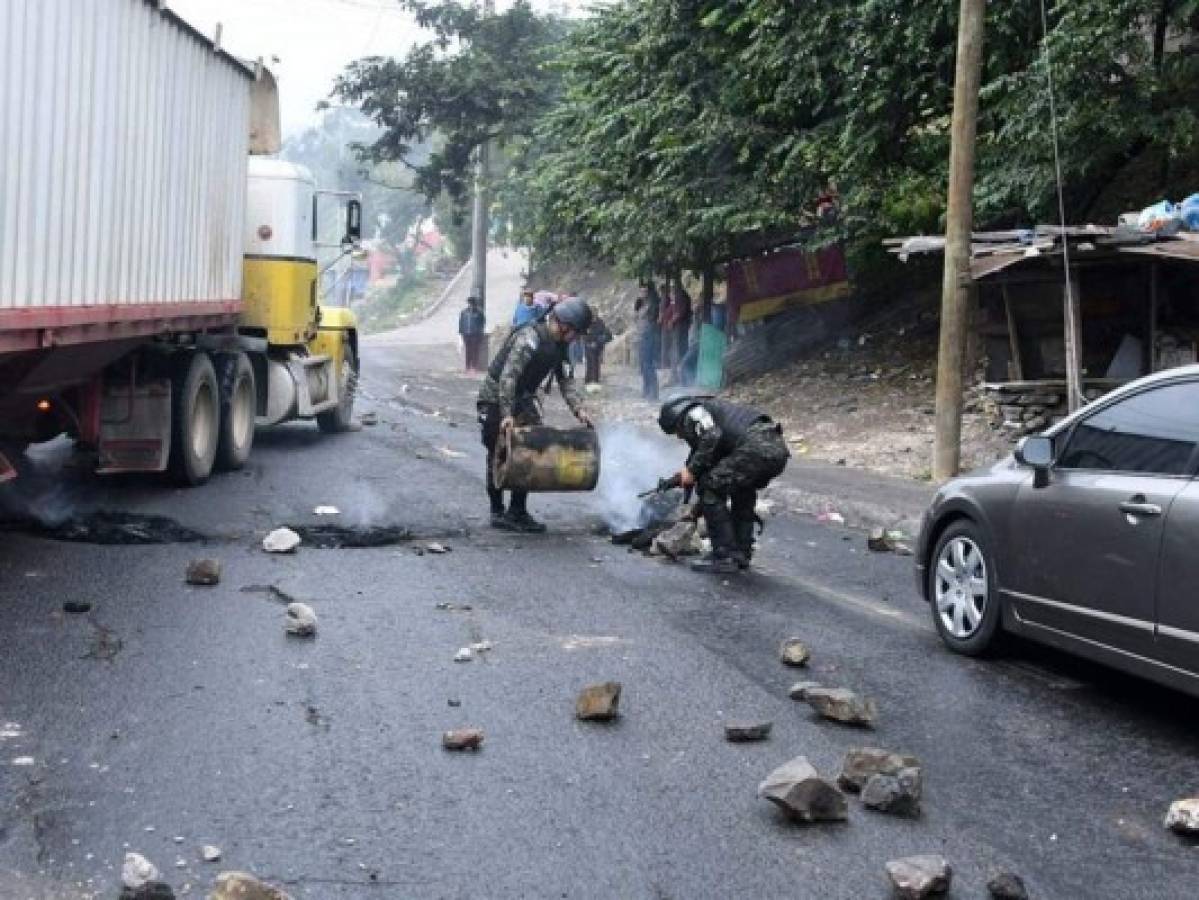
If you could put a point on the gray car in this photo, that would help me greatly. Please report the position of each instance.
(1087, 538)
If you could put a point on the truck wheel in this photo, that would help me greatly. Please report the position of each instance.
(195, 418)
(341, 417)
(239, 408)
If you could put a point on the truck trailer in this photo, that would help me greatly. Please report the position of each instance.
(158, 265)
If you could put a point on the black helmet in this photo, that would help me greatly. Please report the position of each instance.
(673, 410)
(574, 313)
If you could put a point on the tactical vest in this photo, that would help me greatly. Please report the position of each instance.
(734, 422)
(549, 357)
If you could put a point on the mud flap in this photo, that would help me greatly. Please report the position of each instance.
(135, 428)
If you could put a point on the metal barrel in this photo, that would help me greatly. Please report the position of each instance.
(541, 459)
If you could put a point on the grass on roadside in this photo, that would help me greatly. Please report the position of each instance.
(386, 308)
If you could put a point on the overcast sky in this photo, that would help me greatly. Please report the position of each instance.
(313, 39)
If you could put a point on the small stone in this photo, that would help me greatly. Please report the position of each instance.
(843, 705)
(437, 548)
(862, 763)
(463, 739)
(76, 607)
(746, 732)
(243, 886)
(897, 794)
(794, 652)
(204, 572)
(301, 620)
(1007, 886)
(1183, 816)
(137, 870)
(151, 890)
(464, 655)
(799, 791)
(209, 853)
(799, 690)
(598, 702)
(481, 646)
(916, 877)
(281, 540)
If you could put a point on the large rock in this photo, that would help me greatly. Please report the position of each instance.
(204, 572)
(1183, 816)
(916, 877)
(136, 871)
(842, 705)
(799, 791)
(1006, 886)
(301, 620)
(680, 539)
(598, 702)
(243, 886)
(897, 794)
(794, 652)
(863, 762)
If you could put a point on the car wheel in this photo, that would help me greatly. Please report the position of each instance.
(962, 590)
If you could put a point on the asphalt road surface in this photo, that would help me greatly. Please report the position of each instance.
(169, 717)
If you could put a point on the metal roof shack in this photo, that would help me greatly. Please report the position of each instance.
(1133, 308)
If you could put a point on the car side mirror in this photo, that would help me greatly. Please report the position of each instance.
(1036, 451)
(353, 223)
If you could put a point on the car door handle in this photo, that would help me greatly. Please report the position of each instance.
(1138, 507)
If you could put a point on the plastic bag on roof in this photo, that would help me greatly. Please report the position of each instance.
(1163, 216)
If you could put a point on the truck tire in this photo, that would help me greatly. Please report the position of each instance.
(239, 408)
(341, 417)
(195, 418)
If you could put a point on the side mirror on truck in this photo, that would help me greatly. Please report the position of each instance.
(353, 223)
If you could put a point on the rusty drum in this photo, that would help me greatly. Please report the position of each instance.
(542, 459)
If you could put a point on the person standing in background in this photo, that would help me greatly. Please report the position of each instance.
(472, 327)
(682, 322)
(594, 341)
(526, 309)
(649, 348)
(666, 323)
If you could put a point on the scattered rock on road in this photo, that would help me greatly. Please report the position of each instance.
(151, 890)
(746, 732)
(301, 620)
(598, 702)
(799, 690)
(794, 652)
(243, 886)
(681, 539)
(916, 877)
(76, 607)
(436, 548)
(1183, 816)
(209, 853)
(462, 739)
(861, 763)
(281, 540)
(204, 572)
(137, 870)
(799, 791)
(842, 705)
(898, 794)
(1006, 886)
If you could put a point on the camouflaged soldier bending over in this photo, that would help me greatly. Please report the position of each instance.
(735, 452)
(532, 354)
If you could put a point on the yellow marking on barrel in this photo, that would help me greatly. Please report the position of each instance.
(573, 468)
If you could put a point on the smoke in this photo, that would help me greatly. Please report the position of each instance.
(39, 494)
(362, 505)
(632, 462)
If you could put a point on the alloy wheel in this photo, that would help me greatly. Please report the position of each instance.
(961, 587)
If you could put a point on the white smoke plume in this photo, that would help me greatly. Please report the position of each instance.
(632, 461)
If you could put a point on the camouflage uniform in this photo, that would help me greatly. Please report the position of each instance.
(735, 452)
(529, 358)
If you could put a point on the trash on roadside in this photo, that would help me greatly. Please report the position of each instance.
(326, 511)
(916, 877)
(301, 620)
(798, 790)
(281, 540)
(203, 572)
(882, 540)
(598, 702)
(463, 739)
(831, 516)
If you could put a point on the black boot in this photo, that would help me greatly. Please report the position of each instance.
(743, 533)
(518, 518)
(725, 558)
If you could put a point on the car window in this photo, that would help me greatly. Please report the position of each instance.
(1153, 432)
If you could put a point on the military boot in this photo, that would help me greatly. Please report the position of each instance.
(743, 533)
(518, 518)
(725, 558)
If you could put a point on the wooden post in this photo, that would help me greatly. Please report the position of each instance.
(480, 223)
(956, 288)
(1013, 336)
(1073, 335)
(1154, 287)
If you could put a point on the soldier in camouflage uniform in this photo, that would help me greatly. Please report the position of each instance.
(532, 354)
(735, 452)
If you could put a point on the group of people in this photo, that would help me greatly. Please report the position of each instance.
(668, 335)
(735, 450)
(586, 348)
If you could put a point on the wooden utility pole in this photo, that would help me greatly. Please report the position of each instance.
(957, 289)
(479, 223)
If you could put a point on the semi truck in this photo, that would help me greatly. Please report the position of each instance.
(159, 284)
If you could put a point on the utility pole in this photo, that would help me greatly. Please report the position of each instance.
(957, 288)
(479, 222)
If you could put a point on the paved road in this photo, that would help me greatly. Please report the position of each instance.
(174, 712)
